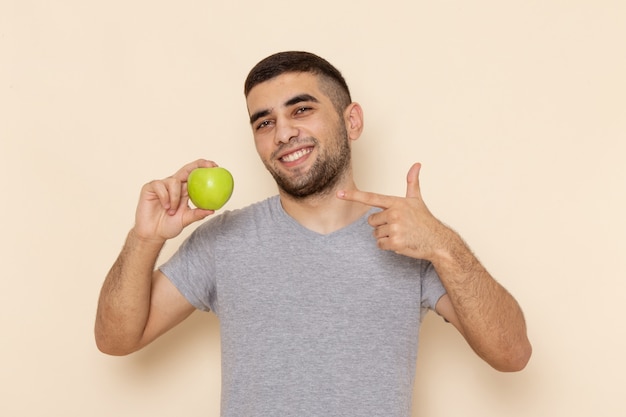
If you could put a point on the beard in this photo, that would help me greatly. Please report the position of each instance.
(326, 171)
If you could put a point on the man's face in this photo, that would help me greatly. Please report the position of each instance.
(299, 135)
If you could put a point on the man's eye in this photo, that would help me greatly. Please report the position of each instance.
(302, 110)
(263, 124)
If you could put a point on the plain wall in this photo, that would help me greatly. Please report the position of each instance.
(517, 111)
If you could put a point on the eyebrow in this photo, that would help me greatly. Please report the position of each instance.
(294, 100)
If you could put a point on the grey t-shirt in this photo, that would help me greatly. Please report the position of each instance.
(311, 324)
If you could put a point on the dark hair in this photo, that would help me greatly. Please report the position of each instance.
(333, 83)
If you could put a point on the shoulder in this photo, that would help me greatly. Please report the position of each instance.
(240, 221)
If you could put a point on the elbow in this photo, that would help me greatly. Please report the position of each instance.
(112, 350)
(515, 359)
(112, 346)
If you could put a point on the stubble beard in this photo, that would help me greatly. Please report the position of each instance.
(325, 173)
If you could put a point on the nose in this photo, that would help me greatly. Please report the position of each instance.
(285, 131)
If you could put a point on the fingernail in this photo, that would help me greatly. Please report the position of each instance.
(341, 194)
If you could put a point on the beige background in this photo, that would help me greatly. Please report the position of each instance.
(516, 109)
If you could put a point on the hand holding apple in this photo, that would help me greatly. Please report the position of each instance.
(210, 188)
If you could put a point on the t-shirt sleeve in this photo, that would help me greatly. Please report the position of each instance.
(192, 269)
(432, 288)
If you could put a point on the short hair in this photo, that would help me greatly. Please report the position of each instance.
(332, 82)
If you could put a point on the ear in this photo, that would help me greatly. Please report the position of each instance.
(353, 117)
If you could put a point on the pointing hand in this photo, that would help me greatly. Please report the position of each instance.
(405, 225)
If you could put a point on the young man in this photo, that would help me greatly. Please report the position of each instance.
(320, 290)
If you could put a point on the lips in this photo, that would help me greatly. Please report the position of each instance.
(297, 154)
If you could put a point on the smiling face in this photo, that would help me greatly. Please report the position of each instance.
(301, 138)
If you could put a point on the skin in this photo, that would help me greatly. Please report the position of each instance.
(482, 310)
(291, 116)
(287, 126)
(138, 303)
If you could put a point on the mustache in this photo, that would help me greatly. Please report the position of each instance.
(294, 144)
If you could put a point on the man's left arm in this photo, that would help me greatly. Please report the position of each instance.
(483, 311)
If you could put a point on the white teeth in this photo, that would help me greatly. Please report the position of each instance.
(296, 155)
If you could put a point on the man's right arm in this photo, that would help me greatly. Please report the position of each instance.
(138, 303)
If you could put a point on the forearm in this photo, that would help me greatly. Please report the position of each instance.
(124, 303)
(488, 316)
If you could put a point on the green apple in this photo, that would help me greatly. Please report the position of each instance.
(210, 188)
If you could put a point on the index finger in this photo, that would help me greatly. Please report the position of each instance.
(365, 197)
(184, 172)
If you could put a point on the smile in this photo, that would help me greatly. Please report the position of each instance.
(296, 155)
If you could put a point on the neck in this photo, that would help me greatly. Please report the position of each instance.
(324, 213)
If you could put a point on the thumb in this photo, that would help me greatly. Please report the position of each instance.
(413, 182)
